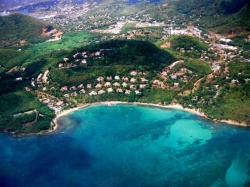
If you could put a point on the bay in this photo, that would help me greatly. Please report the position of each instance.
(129, 145)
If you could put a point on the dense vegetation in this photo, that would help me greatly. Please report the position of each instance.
(241, 18)
(22, 112)
(209, 7)
(11, 58)
(229, 102)
(192, 46)
(223, 16)
(119, 58)
(140, 54)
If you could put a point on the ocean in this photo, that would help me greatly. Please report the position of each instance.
(129, 145)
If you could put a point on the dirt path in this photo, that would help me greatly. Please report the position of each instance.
(196, 85)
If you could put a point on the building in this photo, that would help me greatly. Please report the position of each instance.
(101, 92)
(110, 90)
(107, 84)
(98, 85)
(92, 93)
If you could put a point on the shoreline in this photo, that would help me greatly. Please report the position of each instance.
(170, 106)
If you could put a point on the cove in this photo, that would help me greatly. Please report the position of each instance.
(129, 145)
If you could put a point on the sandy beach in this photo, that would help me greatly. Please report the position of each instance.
(171, 106)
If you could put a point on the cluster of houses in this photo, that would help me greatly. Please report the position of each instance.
(135, 82)
(65, 14)
(109, 84)
(41, 79)
(171, 29)
(80, 58)
(175, 75)
(52, 102)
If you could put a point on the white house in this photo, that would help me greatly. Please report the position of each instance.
(132, 86)
(226, 40)
(133, 73)
(82, 91)
(64, 88)
(66, 95)
(117, 84)
(137, 92)
(110, 90)
(156, 81)
(92, 93)
(127, 92)
(72, 88)
(109, 78)
(80, 86)
(107, 84)
(144, 80)
(101, 92)
(19, 79)
(124, 84)
(176, 84)
(125, 78)
(89, 85)
(119, 90)
(74, 94)
(98, 85)
(65, 59)
(143, 85)
(117, 77)
(100, 79)
(132, 80)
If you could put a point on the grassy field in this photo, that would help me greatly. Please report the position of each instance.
(68, 41)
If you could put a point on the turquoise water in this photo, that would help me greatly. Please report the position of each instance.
(129, 145)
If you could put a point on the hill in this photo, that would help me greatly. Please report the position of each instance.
(222, 15)
(239, 21)
(116, 57)
(209, 7)
(18, 30)
(132, 52)
(83, 65)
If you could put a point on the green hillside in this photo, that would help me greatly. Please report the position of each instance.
(209, 7)
(219, 15)
(118, 57)
(19, 108)
(17, 27)
(11, 58)
(132, 52)
(241, 18)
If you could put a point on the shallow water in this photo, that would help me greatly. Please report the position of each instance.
(129, 145)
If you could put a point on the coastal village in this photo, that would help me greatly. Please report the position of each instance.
(172, 77)
(125, 93)
(175, 77)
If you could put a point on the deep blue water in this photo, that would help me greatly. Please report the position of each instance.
(128, 145)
